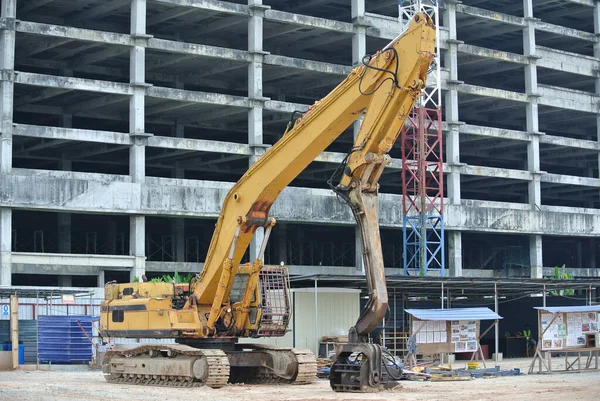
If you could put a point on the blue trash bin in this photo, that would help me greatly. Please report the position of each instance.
(21, 352)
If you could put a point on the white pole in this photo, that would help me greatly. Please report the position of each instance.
(544, 297)
(496, 328)
(317, 321)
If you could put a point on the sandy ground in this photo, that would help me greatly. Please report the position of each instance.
(68, 383)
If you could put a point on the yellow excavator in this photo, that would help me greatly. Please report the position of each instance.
(228, 300)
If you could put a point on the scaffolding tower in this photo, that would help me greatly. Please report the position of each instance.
(422, 164)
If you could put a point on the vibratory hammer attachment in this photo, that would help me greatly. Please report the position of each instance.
(361, 367)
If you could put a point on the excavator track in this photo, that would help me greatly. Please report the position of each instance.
(304, 359)
(215, 363)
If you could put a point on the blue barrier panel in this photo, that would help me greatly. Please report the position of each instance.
(61, 340)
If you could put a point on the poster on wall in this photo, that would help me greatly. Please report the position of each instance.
(568, 329)
(430, 332)
(464, 335)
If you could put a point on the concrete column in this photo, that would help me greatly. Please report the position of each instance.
(5, 246)
(179, 229)
(451, 106)
(101, 279)
(64, 233)
(64, 219)
(360, 264)
(65, 281)
(535, 256)
(255, 94)
(282, 237)
(597, 55)
(8, 13)
(137, 152)
(455, 253)
(531, 109)
(137, 248)
(359, 49)
(111, 232)
(359, 44)
(7, 65)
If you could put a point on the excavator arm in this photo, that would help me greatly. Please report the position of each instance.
(383, 89)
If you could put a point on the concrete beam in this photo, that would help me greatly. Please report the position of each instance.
(493, 54)
(571, 180)
(561, 30)
(520, 21)
(490, 15)
(209, 5)
(200, 145)
(103, 193)
(71, 134)
(566, 61)
(569, 99)
(67, 259)
(171, 46)
(308, 21)
(385, 27)
(500, 217)
(79, 34)
(309, 65)
(491, 92)
(490, 172)
(492, 132)
(569, 142)
(181, 95)
(82, 84)
(180, 267)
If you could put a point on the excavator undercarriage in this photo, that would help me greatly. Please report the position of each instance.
(177, 365)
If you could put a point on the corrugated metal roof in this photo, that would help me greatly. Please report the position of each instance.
(559, 309)
(454, 314)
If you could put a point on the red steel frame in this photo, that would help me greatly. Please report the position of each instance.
(422, 163)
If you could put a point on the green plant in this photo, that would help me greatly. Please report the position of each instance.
(561, 274)
(176, 278)
(136, 279)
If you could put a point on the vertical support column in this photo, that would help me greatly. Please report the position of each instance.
(359, 49)
(597, 56)
(5, 246)
(255, 95)
(451, 106)
(64, 222)
(282, 236)
(455, 253)
(137, 152)
(535, 255)
(14, 329)
(7, 76)
(532, 119)
(101, 279)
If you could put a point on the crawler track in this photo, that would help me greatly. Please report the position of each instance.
(216, 360)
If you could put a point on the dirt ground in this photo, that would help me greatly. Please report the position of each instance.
(79, 383)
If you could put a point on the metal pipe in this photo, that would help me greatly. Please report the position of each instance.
(544, 297)
(263, 246)
(37, 329)
(317, 320)
(496, 327)
(395, 333)
(442, 297)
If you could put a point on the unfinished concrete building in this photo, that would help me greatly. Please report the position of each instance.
(124, 123)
